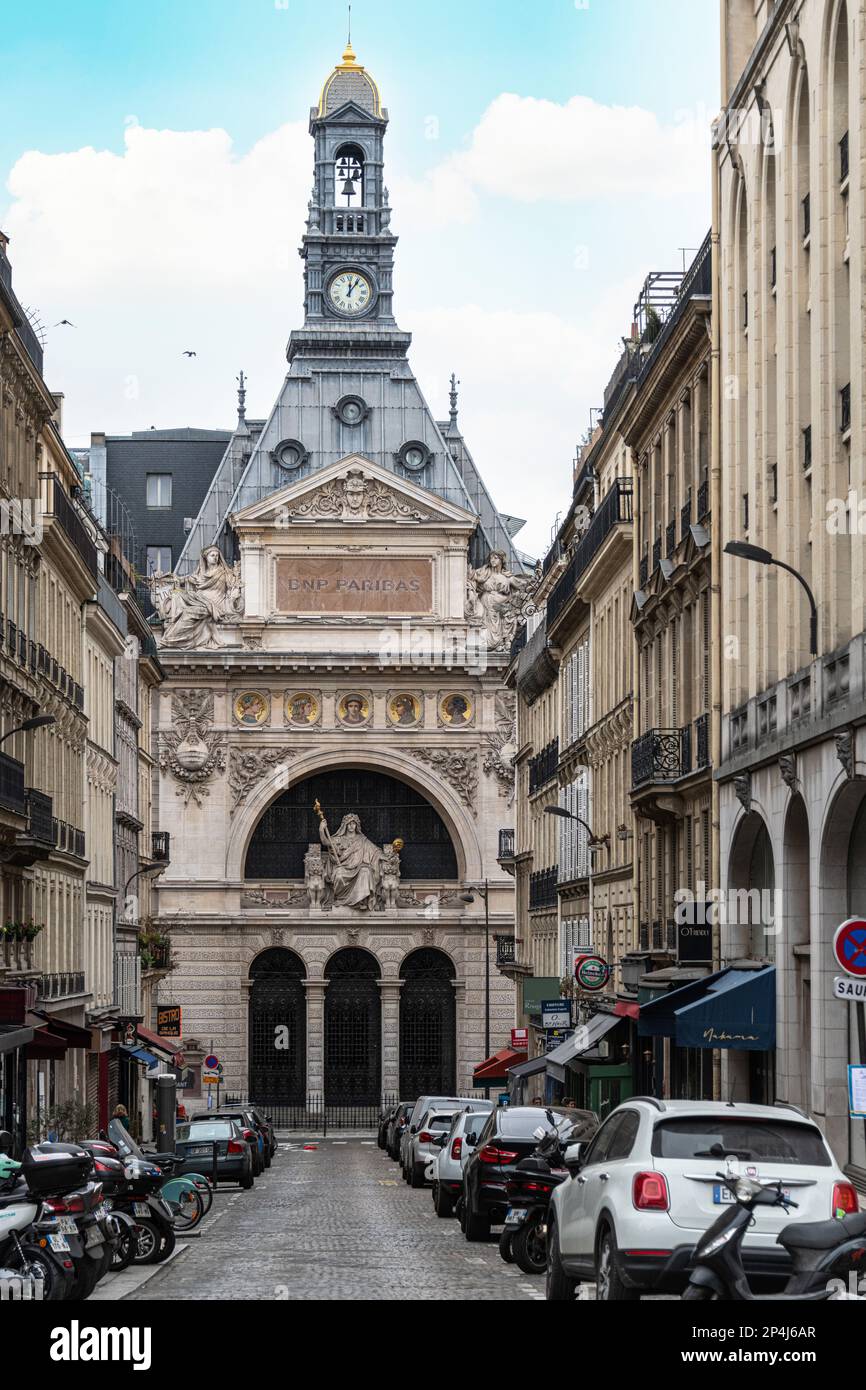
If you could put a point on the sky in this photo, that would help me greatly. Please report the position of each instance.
(155, 166)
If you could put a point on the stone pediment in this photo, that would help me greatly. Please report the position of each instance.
(353, 491)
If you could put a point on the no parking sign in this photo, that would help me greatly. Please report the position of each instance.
(849, 947)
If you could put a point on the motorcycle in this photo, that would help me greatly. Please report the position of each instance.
(819, 1250)
(524, 1238)
(33, 1260)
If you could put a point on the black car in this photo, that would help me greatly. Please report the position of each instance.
(234, 1158)
(396, 1126)
(243, 1118)
(507, 1137)
(254, 1117)
(385, 1119)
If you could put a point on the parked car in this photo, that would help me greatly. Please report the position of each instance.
(507, 1137)
(254, 1118)
(646, 1188)
(397, 1125)
(244, 1119)
(266, 1125)
(448, 1166)
(194, 1143)
(423, 1145)
(422, 1104)
(385, 1119)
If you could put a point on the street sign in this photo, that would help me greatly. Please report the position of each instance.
(555, 1013)
(520, 1040)
(852, 990)
(592, 972)
(849, 947)
(211, 1062)
(555, 1036)
(210, 1078)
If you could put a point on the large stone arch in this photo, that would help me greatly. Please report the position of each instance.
(458, 818)
(793, 963)
(751, 934)
(353, 1062)
(277, 1027)
(428, 1023)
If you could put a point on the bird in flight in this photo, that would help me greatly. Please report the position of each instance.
(187, 353)
(68, 323)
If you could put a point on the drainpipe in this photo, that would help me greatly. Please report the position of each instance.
(717, 636)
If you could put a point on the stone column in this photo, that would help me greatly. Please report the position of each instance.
(315, 1040)
(390, 992)
(465, 1043)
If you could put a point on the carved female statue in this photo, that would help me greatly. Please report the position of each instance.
(192, 605)
(353, 864)
(496, 595)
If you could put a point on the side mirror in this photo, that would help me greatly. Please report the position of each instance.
(5, 1142)
(573, 1157)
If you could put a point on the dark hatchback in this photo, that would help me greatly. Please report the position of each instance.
(396, 1127)
(507, 1136)
(234, 1158)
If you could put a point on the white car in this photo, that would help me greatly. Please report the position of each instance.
(646, 1187)
(445, 1171)
(422, 1145)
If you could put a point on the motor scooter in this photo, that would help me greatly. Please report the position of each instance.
(524, 1237)
(820, 1251)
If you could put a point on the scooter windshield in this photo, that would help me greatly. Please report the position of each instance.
(123, 1140)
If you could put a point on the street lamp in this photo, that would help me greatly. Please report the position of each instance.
(470, 898)
(36, 722)
(744, 551)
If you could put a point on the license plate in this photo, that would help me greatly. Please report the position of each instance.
(198, 1150)
(515, 1216)
(94, 1236)
(140, 1209)
(66, 1225)
(722, 1196)
(59, 1243)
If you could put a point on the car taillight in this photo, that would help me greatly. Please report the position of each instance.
(490, 1154)
(537, 1187)
(236, 1146)
(425, 1137)
(249, 1136)
(650, 1192)
(844, 1199)
(456, 1148)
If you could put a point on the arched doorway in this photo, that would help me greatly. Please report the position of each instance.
(353, 1029)
(793, 963)
(277, 1029)
(751, 933)
(428, 1025)
(389, 809)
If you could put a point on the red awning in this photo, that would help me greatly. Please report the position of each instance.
(166, 1045)
(495, 1068)
(46, 1046)
(72, 1035)
(626, 1010)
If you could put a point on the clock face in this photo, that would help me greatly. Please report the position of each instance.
(350, 292)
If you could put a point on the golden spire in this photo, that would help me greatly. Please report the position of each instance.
(349, 62)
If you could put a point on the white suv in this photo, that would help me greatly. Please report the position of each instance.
(644, 1190)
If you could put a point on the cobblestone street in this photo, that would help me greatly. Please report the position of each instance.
(335, 1222)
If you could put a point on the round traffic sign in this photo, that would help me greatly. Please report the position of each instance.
(849, 946)
(591, 972)
(211, 1062)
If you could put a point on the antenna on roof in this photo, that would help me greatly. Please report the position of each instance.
(242, 398)
(350, 24)
(452, 395)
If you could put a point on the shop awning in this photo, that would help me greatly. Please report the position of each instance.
(12, 1037)
(70, 1032)
(733, 1008)
(624, 1009)
(46, 1046)
(141, 1056)
(157, 1043)
(494, 1070)
(531, 1067)
(583, 1040)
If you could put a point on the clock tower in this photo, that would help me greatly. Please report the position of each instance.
(348, 246)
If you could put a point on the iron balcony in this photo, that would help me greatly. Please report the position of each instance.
(661, 755)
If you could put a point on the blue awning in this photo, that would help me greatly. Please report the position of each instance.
(141, 1056)
(733, 1008)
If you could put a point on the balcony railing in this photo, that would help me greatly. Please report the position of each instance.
(160, 846)
(40, 821)
(703, 501)
(644, 571)
(542, 888)
(613, 510)
(670, 539)
(685, 517)
(12, 794)
(68, 839)
(661, 755)
(697, 282)
(59, 505)
(60, 984)
(657, 552)
(542, 768)
(702, 740)
(506, 950)
(643, 936)
(518, 642)
(845, 408)
(506, 844)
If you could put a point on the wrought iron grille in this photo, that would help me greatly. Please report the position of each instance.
(661, 755)
(278, 1073)
(353, 1029)
(387, 807)
(427, 1026)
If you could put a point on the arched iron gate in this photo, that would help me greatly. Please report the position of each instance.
(353, 1029)
(428, 1025)
(277, 1029)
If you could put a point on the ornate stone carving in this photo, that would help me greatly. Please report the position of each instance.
(190, 750)
(247, 767)
(356, 872)
(788, 771)
(500, 747)
(497, 599)
(845, 752)
(357, 497)
(257, 897)
(458, 769)
(192, 606)
(743, 789)
(314, 876)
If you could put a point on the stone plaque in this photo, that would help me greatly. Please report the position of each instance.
(354, 584)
